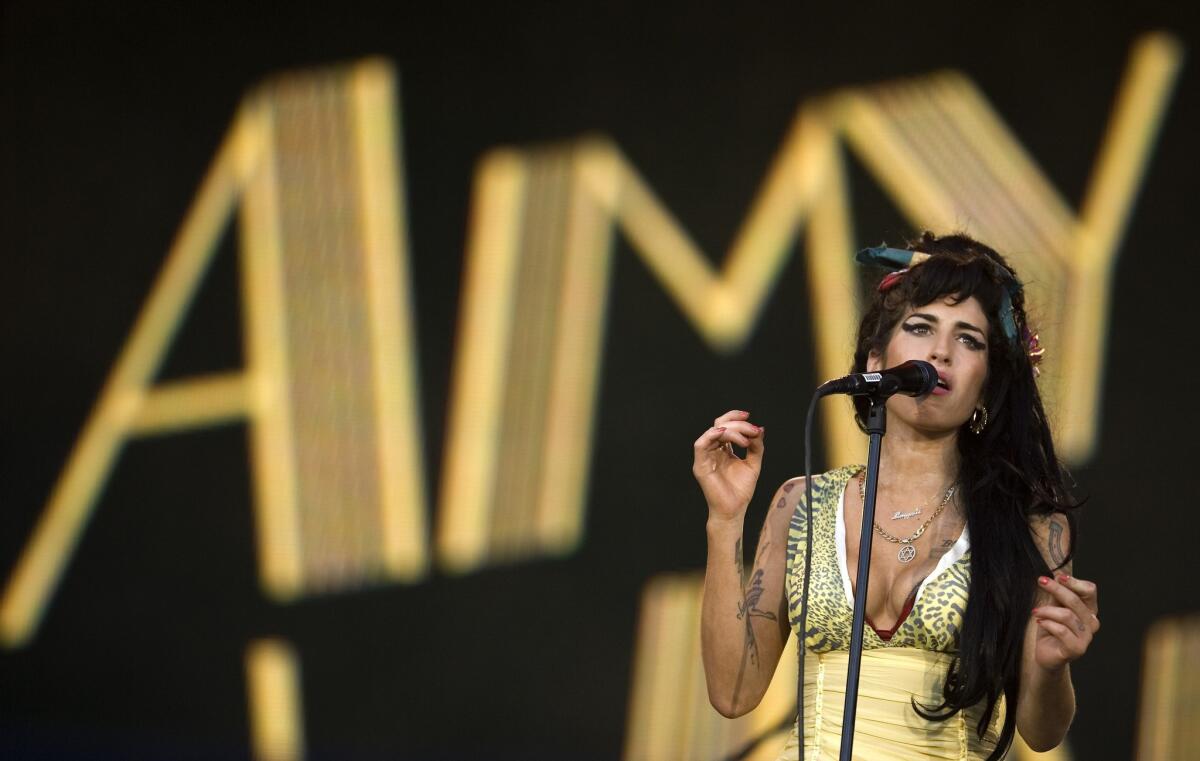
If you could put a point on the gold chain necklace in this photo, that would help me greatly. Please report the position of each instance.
(907, 550)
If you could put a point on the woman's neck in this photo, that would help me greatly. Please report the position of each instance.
(914, 461)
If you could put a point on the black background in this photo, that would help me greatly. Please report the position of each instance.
(110, 117)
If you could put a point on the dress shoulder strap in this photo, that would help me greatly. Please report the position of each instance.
(827, 490)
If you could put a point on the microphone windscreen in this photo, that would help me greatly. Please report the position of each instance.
(917, 377)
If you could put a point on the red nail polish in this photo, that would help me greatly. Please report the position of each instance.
(721, 430)
(1064, 578)
(1043, 580)
(1035, 610)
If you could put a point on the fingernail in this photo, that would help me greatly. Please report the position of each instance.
(760, 428)
(721, 429)
(1064, 578)
(1035, 610)
(1043, 580)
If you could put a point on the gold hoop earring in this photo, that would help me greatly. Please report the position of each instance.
(979, 420)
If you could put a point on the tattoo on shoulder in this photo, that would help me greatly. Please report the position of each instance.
(1054, 540)
(783, 501)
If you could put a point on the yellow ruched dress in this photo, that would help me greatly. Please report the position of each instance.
(911, 664)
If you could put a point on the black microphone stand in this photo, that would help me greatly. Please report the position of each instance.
(876, 425)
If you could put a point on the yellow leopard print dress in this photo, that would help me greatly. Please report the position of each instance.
(911, 664)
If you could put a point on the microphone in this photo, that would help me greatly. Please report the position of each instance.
(914, 378)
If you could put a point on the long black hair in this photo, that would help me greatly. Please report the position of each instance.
(1009, 474)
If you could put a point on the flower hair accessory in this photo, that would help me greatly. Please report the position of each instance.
(890, 279)
(1034, 349)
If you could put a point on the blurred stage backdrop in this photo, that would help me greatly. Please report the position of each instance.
(354, 355)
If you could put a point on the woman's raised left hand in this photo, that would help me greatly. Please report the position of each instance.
(1067, 623)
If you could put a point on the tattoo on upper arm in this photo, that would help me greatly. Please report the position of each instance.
(1055, 544)
(748, 607)
(747, 611)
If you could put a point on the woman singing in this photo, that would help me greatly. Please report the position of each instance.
(972, 615)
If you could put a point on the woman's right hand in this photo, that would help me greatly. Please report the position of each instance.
(728, 480)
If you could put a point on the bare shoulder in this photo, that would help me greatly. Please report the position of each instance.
(783, 505)
(1052, 535)
(790, 485)
(789, 494)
